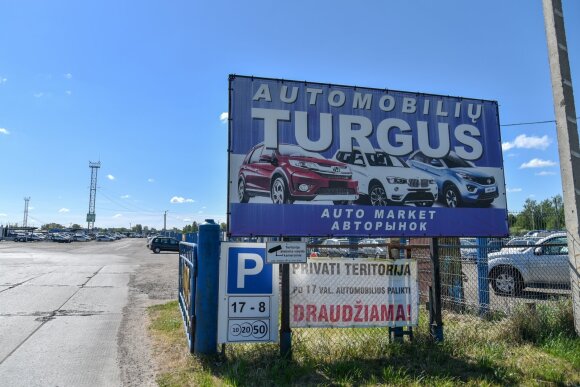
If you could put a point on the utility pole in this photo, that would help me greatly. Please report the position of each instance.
(568, 145)
(25, 221)
(165, 220)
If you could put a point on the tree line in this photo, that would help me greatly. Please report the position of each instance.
(545, 215)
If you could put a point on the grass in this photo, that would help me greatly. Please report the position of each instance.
(536, 347)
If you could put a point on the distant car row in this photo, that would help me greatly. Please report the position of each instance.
(290, 173)
(64, 237)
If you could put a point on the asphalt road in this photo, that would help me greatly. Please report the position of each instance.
(74, 314)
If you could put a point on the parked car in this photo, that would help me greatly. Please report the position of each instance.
(371, 248)
(81, 238)
(459, 181)
(386, 179)
(468, 249)
(334, 249)
(543, 264)
(104, 238)
(290, 173)
(61, 238)
(160, 243)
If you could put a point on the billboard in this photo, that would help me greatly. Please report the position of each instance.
(311, 159)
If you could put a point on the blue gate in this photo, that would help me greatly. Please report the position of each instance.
(187, 284)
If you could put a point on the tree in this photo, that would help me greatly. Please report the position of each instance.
(76, 226)
(50, 226)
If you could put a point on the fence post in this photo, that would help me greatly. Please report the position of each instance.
(397, 332)
(435, 318)
(482, 276)
(207, 288)
(285, 331)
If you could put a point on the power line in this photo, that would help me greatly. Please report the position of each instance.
(531, 123)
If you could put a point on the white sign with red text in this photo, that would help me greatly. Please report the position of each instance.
(354, 293)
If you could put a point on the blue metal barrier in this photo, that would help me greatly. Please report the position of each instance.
(187, 285)
(191, 237)
(482, 276)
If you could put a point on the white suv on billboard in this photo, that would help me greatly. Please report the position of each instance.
(387, 179)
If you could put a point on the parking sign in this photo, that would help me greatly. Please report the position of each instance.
(248, 303)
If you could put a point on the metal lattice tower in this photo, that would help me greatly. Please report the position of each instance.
(93, 194)
(25, 221)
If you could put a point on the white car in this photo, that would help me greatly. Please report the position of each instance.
(371, 248)
(544, 264)
(387, 179)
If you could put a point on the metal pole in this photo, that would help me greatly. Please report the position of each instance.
(165, 220)
(482, 276)
(436, 320)
(285, 331)
(568, 145)
(207, 289)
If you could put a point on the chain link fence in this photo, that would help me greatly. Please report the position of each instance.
(484, 281)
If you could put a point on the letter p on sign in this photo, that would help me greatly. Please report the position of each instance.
(244, 269)
(248, 272)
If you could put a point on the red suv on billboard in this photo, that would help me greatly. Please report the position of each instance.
(291, 173)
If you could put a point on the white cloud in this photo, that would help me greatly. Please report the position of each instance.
(64, 210)
(3, 80)
(125, 196)
(30, 208)
(150, 180)
(187, 220)
(513, 190)
(117, 215)
(68, 92)
(68, 76)
(179, 200)
(527, 142)
(3, 215)
(224, 117)
(4, 131)
(39, 94)
(110, 177)
(538, 163)
(545, 173)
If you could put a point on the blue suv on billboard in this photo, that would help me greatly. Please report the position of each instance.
(459, 182)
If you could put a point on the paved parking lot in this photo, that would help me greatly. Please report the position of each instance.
(74, 314)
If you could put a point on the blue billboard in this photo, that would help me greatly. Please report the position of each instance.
(311, 159)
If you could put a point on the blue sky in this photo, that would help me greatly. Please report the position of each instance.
(142, 85)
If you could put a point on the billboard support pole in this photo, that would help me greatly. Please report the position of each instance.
(285, 331)
(482, 276)
(567, 132)
(435, 319)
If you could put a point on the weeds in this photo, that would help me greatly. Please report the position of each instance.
(533, 346)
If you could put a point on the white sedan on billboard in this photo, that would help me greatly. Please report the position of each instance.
(387, 180)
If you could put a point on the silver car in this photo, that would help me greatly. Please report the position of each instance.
(544, 264)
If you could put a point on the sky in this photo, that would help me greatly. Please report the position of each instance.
(142, 87)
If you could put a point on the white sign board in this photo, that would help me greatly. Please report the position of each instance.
(248, 295)
(354, 293)
(286, 252)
